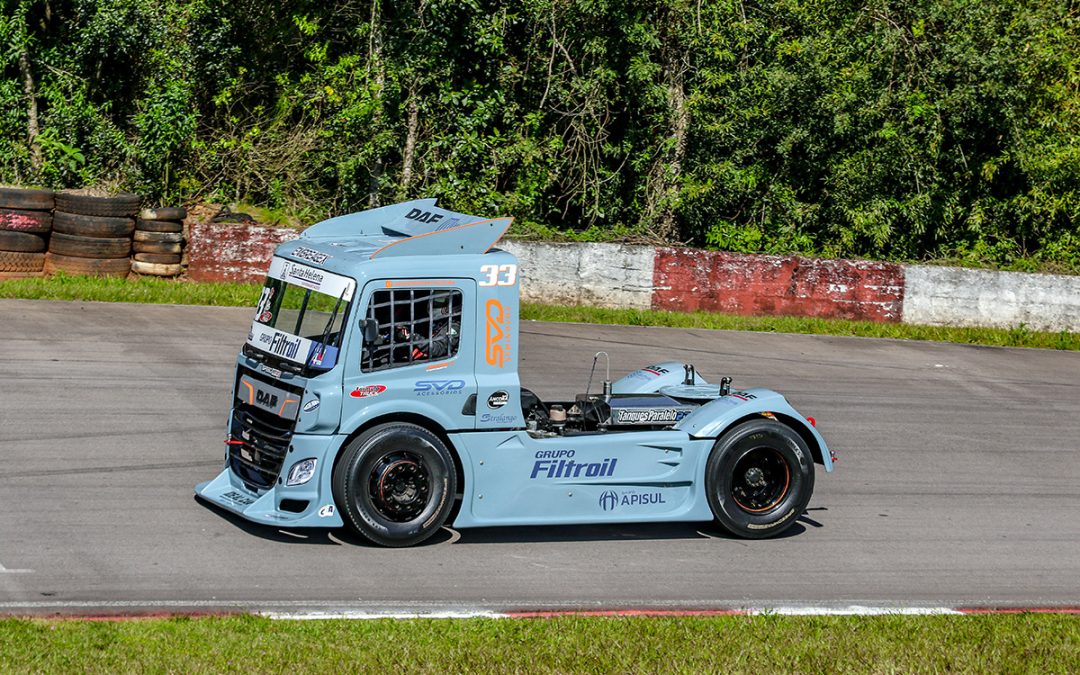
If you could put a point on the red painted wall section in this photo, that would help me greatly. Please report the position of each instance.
(232, 252)
(688, 279)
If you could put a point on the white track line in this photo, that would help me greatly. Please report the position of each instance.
(361, 610)
(855, 610)
(4, 570)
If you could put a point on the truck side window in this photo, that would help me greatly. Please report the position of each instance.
(415, 326)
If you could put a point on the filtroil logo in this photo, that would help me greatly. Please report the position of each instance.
(609, 500)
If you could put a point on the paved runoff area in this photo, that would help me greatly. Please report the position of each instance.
(958, 484)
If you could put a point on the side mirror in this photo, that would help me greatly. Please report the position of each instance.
(370, 329)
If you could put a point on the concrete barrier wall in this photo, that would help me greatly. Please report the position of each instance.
(232, 252)
(688, 279)
(953, 296)
(601, 275)
(683, 279)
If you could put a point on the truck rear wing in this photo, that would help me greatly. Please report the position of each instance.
(413, 228)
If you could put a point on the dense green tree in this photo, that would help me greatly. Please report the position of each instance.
(897, 129)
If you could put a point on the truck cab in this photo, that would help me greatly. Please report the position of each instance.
(378, 389)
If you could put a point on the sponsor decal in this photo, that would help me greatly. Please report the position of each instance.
(267, 369)
(326, 511)
(649, 415)
(438, 387)
(311, 405)
(744, 395)
(303, 275)
(265, 317)
(368, 390)
(310, 255)
(611, 500)
(489, 418)
(316, 279)
(568, 468)
(238, 498)
(423, 216)
(498, 399)
(554, 454)
(656, 370)
(496, 333)
(283, 344)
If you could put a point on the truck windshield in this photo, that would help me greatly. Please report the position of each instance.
(298, 321)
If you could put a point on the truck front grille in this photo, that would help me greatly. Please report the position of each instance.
(260, 443)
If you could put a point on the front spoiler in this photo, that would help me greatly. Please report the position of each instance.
(229, 492)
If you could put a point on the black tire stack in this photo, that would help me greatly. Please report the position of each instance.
(25, 222)
(159, 242)
(92, 234)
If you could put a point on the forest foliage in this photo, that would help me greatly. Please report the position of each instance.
(892, 129)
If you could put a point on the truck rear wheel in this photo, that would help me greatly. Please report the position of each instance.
(395, 484)
(759, 478)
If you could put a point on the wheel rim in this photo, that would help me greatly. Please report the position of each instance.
(760, 481)
(399, 486)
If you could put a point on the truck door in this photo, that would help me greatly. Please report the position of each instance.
(422, 361)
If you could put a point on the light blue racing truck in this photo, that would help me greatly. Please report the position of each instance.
(378, 390)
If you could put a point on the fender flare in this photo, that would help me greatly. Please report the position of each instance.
(714, 418)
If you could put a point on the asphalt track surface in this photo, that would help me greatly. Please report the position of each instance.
(958, 482)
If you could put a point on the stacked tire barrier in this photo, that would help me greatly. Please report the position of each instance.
(92, 234)
(159, 242)
(25, 223)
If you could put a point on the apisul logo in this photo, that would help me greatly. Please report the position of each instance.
(609, 500)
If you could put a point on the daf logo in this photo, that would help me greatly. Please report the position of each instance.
(265, 398)
(609, 500)
(423, 216)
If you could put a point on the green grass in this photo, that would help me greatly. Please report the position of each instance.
(1037, 643)
(171, 291)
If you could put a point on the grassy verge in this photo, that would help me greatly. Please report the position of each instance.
(995, 643)
(153, 290)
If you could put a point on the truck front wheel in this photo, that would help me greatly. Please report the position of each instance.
(395, 484)
(759, 478)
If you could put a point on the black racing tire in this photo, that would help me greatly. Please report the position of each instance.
(759, 478)
(26, 199)
(159, 225)
(89, 247)
(416, 505)
(21, 242)
(34, 222)
(94, 267)
(21, 263)
(158, 258)
(114, 206)
(156, 269)
(174, 247)
(164, 213)
(166, 237)
(92, 226)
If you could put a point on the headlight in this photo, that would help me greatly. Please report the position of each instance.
(301, 472)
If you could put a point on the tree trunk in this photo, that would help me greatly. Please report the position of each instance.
(663, 183)
(32, 129)
(377, 71)
(412, 123)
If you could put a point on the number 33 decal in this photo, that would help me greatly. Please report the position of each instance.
(499, 275)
